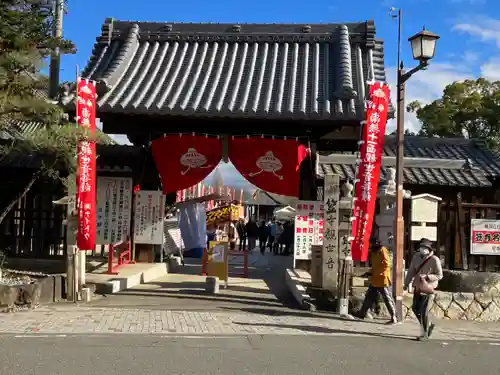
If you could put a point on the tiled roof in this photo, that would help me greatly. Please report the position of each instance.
(19, 129)
(428, 161)
(315, 71)
(475, 152)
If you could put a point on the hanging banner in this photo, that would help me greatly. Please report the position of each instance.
(272, 165)
(148, 217)
(369, 169)
(86, 173)
(308, 228)
(185, 160)
(114, 209)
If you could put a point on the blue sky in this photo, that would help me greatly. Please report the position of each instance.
(469, 30)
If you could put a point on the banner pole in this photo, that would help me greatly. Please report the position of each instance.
(77, 201)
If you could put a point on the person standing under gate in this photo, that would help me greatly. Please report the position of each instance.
(380, 281)
(252, 231)
(425, 270)
(242, 234)
(272, 234)
(263, 236)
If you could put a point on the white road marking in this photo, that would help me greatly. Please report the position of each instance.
(201, 337)
(38, 336)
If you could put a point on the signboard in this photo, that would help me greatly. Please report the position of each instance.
(148, 217)
(485, 237)
(217, 265)
(308, 228)
(224, 214)
(114, 209)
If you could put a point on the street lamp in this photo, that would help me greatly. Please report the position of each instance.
(423, 46)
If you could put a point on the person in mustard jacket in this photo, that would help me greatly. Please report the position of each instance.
(380, 282)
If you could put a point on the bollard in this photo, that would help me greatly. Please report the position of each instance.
(86, 295)
(212, 285)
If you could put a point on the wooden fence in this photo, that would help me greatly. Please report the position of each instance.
(34, 227)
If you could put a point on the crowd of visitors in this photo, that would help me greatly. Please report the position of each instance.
(273, 235)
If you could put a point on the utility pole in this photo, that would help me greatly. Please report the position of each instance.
(55, 58)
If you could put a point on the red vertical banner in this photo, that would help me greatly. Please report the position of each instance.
(369, 169)
(86, 175)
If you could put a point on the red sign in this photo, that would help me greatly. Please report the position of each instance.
(184, 160)
(86, 176)
(369, 169)
(486, 237)
(272, 165)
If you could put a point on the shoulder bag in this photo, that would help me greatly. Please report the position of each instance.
(422, 286)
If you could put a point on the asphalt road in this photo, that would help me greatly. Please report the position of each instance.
(229, 355)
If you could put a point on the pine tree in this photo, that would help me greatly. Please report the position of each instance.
(26, 42)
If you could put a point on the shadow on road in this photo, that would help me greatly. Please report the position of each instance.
(285, 312)
(327, 330)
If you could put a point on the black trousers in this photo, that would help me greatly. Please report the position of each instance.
(243, 241)
(371, 298)
(270, 242)
(421, 306)
(262, 243)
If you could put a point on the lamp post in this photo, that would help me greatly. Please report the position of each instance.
(423, 47)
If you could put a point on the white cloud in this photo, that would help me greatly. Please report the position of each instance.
(491, 69)
(485, 28)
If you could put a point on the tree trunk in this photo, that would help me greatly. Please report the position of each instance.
(27, 188)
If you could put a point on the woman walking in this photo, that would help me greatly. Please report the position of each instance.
(425, 270)
(380, 282)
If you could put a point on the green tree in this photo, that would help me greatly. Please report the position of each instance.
(469, 109)
(26, 42)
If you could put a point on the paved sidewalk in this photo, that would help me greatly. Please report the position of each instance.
(84, 320)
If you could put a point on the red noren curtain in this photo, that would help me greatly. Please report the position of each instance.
(185, 160)
(272, 165)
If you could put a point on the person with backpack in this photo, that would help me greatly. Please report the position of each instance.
(425, 271)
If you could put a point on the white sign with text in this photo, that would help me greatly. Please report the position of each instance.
(113, 209)
(148, 217)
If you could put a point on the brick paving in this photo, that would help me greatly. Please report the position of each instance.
(85, 320)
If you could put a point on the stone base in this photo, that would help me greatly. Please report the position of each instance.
(46, 289)
(480, 307)
(27, 295)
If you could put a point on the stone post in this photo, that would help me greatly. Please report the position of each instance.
(344, 253)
